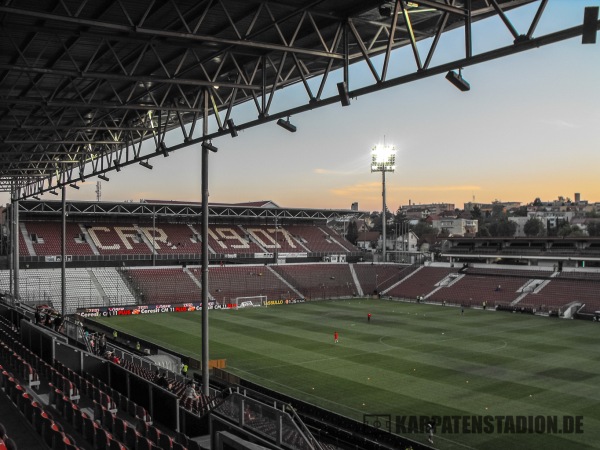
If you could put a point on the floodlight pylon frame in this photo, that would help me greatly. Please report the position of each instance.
(383, 159)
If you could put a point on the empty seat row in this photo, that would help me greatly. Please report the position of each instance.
(40, 419)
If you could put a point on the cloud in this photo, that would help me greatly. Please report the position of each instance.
(320, 171)
(375, 188)
(559, 123)
(360, 188)
(439, 188)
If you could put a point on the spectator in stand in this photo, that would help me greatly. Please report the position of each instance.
(190, 392)
(161, 380)
(114, 358)
(102, 343)
(248, 414)
(57, 322)
(38, 316)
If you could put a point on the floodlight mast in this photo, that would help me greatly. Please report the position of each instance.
(383, 159)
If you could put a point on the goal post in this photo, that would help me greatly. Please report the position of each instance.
(250, 302)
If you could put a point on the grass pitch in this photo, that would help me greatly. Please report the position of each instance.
(410, 359)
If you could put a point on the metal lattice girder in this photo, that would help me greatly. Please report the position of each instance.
(83, 84)
(192, 211)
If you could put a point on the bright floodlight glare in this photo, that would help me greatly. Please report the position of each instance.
(383, 158)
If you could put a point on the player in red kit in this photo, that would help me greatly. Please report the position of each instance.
(335, 337)
(369, 317)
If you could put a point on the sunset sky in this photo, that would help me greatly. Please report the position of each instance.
(529, 127)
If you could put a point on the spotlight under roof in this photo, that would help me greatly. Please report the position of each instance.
(457, 80)
(209, 146)
(287, 125)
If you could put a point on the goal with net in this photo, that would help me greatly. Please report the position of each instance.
(249, 302)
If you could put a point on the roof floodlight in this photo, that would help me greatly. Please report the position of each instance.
(209, 146)
(145, 164)
(590, 25)
(344, 96)
(457, 80)
(103, 178)
(231, 127)
(287, 125)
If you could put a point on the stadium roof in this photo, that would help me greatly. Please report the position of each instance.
(83, 84)
(183, 210)
(264, 203)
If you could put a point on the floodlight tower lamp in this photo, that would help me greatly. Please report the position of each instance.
(383, 159)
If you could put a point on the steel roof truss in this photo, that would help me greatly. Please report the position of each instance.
(411, 33)
(507, 22)
(364, 51)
